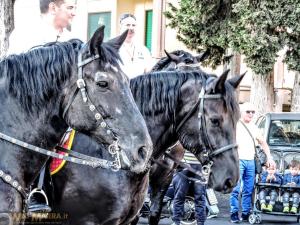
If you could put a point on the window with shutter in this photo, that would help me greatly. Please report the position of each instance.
(148, 30)
(97, 19)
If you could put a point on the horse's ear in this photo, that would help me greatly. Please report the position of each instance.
(118, 41)
(95, 42)
(202, 56)
(219, 83)
(173, 57)
(236, 80)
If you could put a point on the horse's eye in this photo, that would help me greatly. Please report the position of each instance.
(102, 84)
(188, 61)
(215, 122)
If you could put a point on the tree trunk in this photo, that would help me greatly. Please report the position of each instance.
(295, 104)
(6, 23)
(262, 93)
(234, 64)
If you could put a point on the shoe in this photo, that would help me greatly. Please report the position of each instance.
(294, 210)
(263, 207)
(269, 208)
(234, 217)
(245, 217)
(286, 209)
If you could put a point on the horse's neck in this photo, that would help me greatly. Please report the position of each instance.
(38, 131)
(162, 134)
(159, 125)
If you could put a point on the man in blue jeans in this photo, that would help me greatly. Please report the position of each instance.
(182, 182)
(247, 133)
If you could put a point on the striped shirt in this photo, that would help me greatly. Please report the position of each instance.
(190, 158)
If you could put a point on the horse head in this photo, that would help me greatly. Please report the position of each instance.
(99, 103)
(207, 127)
(180, 60)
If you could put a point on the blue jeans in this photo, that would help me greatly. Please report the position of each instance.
(181, 187)
(246, 182)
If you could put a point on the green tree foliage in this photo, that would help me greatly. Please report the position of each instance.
(202, 24)
(254, 28)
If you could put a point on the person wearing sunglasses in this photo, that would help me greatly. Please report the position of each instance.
(246, 134)
(136, 57)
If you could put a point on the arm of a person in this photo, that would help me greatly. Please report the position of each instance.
(264, 177)
(285, 179)
(298, 181)
(20, 42)
(279, 179)
(149, 61)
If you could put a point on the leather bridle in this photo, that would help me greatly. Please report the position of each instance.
(72, 156)
(207, 151)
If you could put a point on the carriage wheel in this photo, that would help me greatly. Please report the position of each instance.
(258, 218)
(189, 212)
(252, 218)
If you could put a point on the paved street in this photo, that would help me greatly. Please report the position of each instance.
(223, 217)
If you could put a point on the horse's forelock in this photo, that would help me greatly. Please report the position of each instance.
(109, 54)
(231, 102)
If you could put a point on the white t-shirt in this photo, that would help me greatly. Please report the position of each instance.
(22, 40)
(137, 63)
(246, 148)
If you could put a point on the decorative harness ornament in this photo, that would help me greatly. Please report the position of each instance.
(72, 156)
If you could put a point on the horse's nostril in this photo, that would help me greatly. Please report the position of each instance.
(142, 152)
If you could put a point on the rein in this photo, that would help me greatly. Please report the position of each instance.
(72, 156)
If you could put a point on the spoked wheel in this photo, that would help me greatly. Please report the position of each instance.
(189, 212)
(258, 218)
(254, 218)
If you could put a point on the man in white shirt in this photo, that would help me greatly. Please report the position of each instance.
(56, 16)
(246, 134)
(136, 58)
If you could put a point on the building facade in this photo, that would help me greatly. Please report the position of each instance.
(152, 31)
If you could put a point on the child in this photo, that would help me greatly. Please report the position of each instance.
(270, 176)
(292, 179)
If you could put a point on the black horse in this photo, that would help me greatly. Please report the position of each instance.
(161, 173)
(165, 99)
(40, 98)
(181, 60)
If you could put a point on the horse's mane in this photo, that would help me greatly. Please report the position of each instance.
(39, 74)
(164, 61)
(166, 85)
